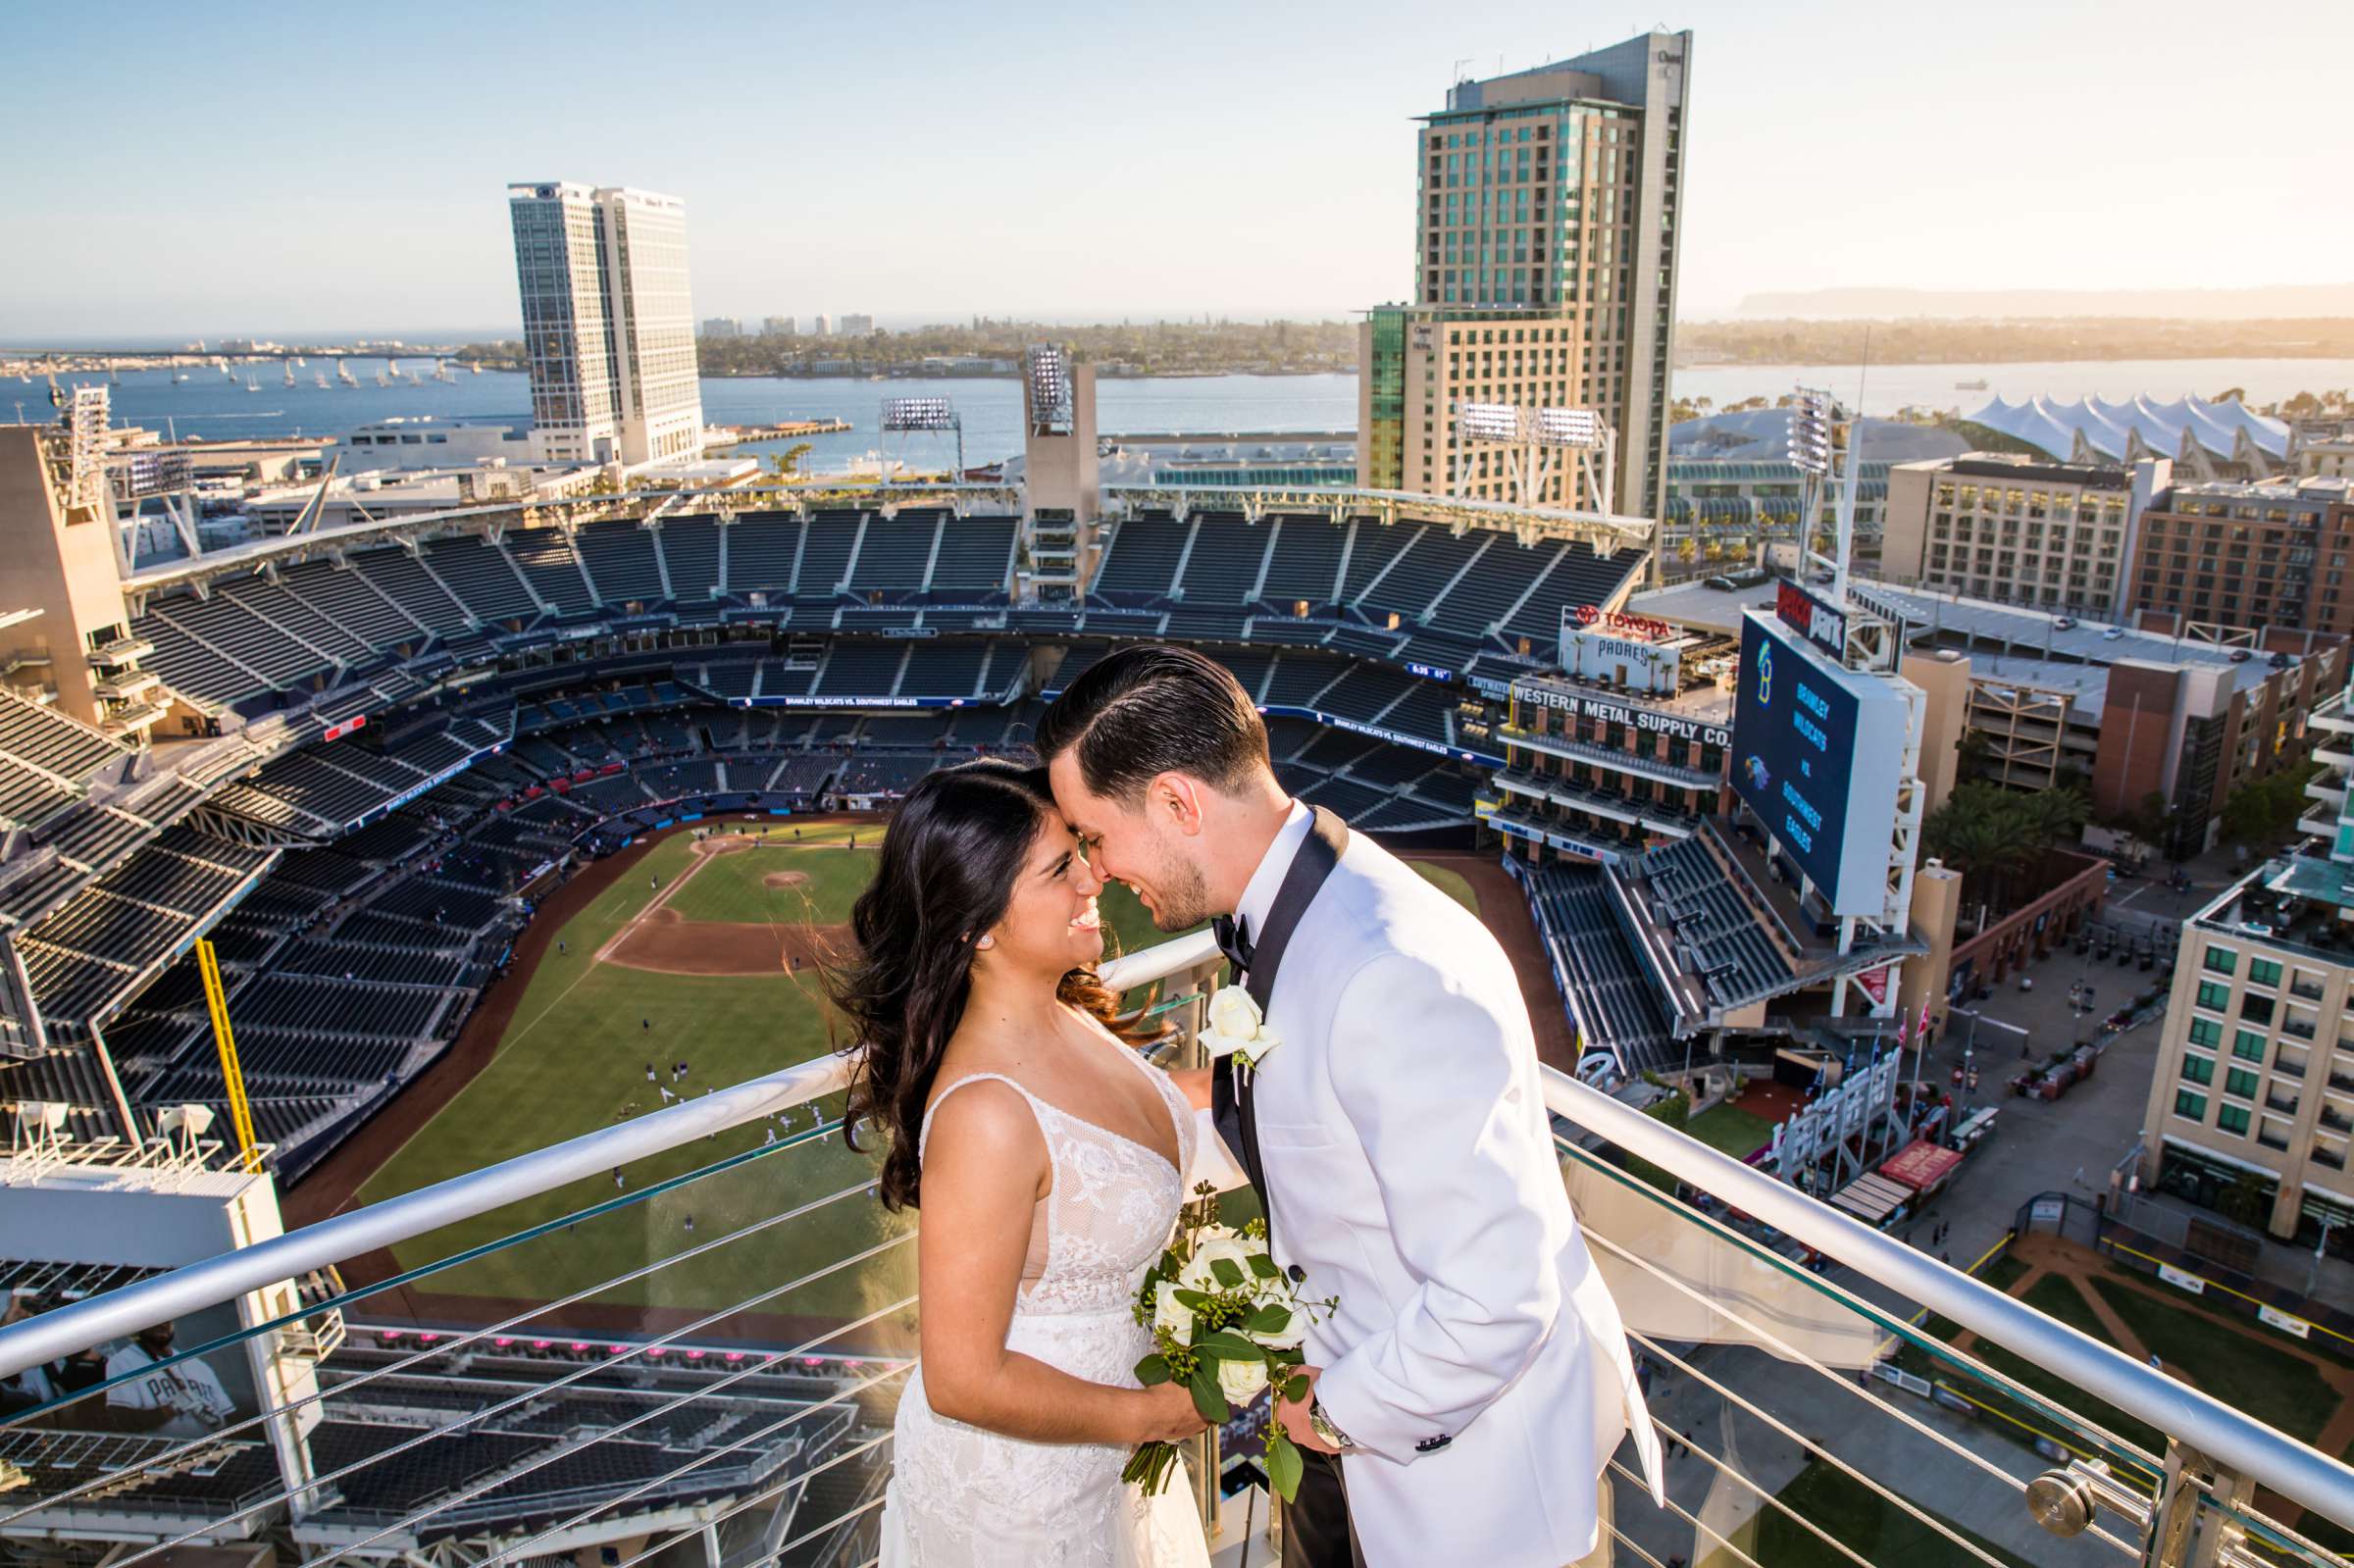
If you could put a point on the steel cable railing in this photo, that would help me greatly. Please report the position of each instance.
(118, 1313)
(462, 1339)
(2216, 1430)
(539, 1391)
(2212, 1429)
(1790, 1353)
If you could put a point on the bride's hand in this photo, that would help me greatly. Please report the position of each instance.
(1165, 1413)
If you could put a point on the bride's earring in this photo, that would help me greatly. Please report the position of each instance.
(987, 942)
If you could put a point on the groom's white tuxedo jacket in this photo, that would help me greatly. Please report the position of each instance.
(1476, 1358)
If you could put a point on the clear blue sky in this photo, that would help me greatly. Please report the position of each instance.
(231, 168)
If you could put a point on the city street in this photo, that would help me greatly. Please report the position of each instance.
(2071, 1143)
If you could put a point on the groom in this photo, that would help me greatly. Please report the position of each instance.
(1475, 1378)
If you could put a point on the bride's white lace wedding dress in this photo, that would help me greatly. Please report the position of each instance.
(961, 1497)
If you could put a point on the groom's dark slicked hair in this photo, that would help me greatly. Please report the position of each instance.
(1142, 711)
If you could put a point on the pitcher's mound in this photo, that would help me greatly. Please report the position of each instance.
(785, 878)
(668, 946)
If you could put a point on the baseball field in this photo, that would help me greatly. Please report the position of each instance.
(674, 967)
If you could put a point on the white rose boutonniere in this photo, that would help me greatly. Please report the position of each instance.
(1237, 1029)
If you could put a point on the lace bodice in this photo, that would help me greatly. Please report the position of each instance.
(962, 1498)
(1110, 1209)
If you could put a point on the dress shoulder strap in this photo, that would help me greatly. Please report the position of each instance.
(924, 1134)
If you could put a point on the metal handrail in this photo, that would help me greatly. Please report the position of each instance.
(197, 1285)
(2294, 1470)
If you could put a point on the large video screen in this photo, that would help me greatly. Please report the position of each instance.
(1818, 751)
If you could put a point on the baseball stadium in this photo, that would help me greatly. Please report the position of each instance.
(413, 932)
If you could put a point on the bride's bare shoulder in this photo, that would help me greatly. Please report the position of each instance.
(979, 1113)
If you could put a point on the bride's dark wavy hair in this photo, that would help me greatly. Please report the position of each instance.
(950, 857)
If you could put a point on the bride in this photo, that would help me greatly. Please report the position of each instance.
(1047, 1157)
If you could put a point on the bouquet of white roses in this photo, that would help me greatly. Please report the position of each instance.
(1227, 1325)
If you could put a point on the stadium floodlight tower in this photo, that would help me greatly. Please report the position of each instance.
(1532, 435)
(1819, 442)
(925, 414)
(1048, 373)
(1062, 492)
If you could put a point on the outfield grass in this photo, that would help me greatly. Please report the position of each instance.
(1453, 884)
(2055, 1296)
(573, 1060)
(2271, 1384)
(2004, 1272)
(1852, 1515)
(1732, 1129)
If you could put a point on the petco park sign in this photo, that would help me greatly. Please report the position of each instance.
(1813, 619)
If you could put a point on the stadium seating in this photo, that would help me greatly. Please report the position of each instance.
(1373, 547)
(761, 549)
(47, 759)
(862, 670)
(620, 558)
(1223, 564)
(1721, 933)
(689, 548)
(483, 577)
(894, 553)
(1364, 692)
(1492, 584)
(547, 561)
(346, 596)
(1610, 1000)
(943, 669)
(1578, 577)
(1431, 560)
(976, 558)
(1304, 561)
(825, 554)
(1141, 561)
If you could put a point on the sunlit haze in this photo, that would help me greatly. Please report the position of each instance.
(218, 170)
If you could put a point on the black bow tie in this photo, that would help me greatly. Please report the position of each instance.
(1232, 936)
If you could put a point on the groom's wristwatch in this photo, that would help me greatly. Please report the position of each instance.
(1321, 1424)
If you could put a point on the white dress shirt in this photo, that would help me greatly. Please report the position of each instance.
(1258, 894)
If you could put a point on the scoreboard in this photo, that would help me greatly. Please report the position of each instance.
(1818, 754)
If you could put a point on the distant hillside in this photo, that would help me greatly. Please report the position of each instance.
(2002, 304)
(1926, 340)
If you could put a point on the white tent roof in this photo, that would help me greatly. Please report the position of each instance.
(2053, 426)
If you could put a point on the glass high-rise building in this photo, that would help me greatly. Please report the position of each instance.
(1547, 209)
(609, 325)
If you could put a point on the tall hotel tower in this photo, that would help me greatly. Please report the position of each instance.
(607, 324)
(1547, 209)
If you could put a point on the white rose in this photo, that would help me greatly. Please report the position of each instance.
(1241, 1380)
(1170, 1313)
(1197, 1274)
(1233, 1014)
(1289, 1336)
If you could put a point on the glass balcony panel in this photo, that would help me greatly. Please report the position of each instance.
(1808, 1420)
(717, 1345)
